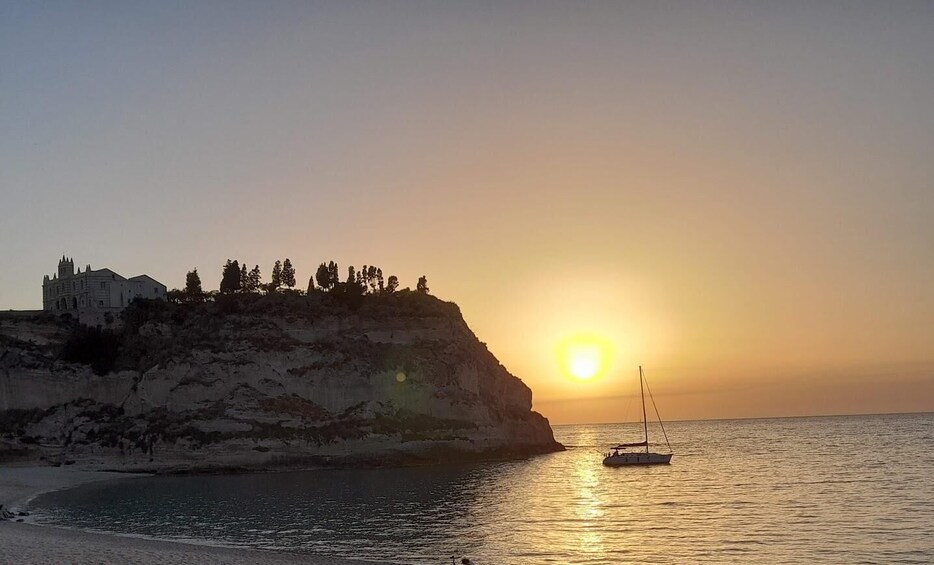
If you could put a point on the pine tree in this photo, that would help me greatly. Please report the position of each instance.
(193, 290)
(254, 280)
(351, 275)
(244, 279)
(311, 284)
(323, 276)
(276, 281)
(230, 280)
(334, 276)
(379, 280)
(287, 277)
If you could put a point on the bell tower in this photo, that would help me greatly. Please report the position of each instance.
(66, 267)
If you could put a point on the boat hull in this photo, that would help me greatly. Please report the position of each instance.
(628, 459)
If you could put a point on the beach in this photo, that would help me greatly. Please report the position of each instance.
(31, 543)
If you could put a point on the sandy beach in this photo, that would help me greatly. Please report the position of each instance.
(30, 543)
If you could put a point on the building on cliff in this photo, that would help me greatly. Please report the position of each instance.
(90, 293)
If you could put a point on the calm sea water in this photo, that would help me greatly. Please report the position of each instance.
(854, 489)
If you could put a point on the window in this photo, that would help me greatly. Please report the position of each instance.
(103, 284)
(100, 302)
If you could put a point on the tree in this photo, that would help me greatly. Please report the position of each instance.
(276, 281)
(323, 277)
(244, 278)
(230, 280)
(392, 284)
(193, 286)
(311, 284)
(422, 286)
(351, 275)
(379, 280)
(287, 276)
(254, 280)
(371, 277)
(334, 276)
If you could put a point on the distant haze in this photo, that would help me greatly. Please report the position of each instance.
(737, 195)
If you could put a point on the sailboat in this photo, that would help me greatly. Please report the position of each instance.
(624, 453)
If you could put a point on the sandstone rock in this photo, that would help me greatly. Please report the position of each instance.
(268, 382)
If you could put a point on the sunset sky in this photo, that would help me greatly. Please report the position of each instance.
(737, 195)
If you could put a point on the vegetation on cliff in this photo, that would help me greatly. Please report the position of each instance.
(139, 343)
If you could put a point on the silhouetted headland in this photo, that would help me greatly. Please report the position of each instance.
(246, 381)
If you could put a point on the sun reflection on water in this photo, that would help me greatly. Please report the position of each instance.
(720, 501)
(588, 508)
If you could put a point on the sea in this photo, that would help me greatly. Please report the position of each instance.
(842, 489)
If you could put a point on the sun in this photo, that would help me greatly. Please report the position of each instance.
(584, 361)
(583, 357)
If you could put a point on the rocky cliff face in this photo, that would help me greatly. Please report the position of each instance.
(261, 382)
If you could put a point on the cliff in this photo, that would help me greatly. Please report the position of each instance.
(257, 382)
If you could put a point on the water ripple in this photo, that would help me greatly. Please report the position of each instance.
(822, 490)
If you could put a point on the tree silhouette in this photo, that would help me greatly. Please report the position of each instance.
(244, 278)
(230, 279)
(334, 276)
(392, 284)
(254, 280)
(422, 286)
(351, 275)
(287, 277)
(311, 284)
(193, 286)
(276, 280)
(323, 276)
(379, 280)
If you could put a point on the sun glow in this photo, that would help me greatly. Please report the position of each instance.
(584, 357)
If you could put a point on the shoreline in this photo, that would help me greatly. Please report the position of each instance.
(29, 542)
(19, 485)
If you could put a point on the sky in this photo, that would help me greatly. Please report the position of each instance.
(738, 196)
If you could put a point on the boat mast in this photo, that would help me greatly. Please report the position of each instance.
(645, 421)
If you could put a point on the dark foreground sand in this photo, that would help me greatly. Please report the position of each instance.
(28, 543)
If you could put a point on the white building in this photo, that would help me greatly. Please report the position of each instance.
(90, 291)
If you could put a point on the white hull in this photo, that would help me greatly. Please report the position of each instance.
(637, 459)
